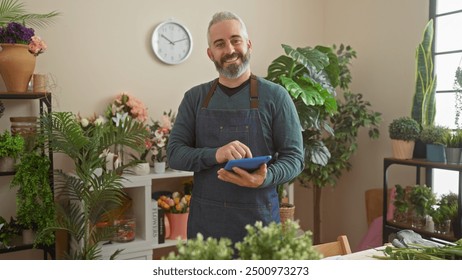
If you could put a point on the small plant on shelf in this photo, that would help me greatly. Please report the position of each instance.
(401, 204)
(433, 134)
(404, 128)
(422, 200)
(11, 145)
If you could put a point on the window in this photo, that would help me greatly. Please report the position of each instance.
(447, 16)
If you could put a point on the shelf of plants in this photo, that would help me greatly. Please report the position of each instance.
(390, 226)
(45, 101)
(139, 188)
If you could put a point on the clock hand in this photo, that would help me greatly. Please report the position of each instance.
(172, 43)
(180, 40)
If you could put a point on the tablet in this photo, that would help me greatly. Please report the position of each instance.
(248, 164)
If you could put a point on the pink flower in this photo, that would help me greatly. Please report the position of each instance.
(37, 45)
(126, 103)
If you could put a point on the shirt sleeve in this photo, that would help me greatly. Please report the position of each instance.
(181, 151)
(282, 129)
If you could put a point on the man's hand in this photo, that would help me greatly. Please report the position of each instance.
(233, 150)
(243, 178)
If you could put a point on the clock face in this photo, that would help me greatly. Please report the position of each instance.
(171, 42)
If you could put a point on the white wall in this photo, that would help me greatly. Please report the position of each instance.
(97, 49)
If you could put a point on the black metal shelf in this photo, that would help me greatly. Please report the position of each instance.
(45, 101)
(390, 227)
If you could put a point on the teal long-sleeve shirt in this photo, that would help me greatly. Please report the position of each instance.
(280, 125)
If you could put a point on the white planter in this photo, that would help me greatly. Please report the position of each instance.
(402, 149)
(142, 169)
(159, 167)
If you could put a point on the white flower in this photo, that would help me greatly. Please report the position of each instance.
(120, 119)
(100, 120)
(84, 122)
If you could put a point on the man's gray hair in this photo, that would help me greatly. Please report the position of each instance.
(222, 16)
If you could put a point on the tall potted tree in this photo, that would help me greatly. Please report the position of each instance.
(326, 154)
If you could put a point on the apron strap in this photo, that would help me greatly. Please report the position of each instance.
(253, 93)
(205, 104)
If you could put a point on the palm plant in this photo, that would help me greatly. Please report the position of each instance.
(85, 198)
(14, 11)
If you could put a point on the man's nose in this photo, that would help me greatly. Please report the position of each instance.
(229, 48)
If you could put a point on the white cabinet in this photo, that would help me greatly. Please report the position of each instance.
(139, 188)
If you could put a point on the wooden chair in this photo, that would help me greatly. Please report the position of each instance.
(339, 247)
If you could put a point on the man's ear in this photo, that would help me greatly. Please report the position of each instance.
(209, 54)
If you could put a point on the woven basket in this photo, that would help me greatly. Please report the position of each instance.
(286, 211)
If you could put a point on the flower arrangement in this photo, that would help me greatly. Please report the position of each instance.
(16, 33)
(93, 120)
(177, 204)
(160, 132)
(126, 103)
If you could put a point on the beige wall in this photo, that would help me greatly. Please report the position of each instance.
(385, 35)
(100, 48)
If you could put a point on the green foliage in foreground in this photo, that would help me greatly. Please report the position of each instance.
(419, 252)
(272, 242)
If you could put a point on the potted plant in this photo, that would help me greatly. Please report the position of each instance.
(445, 213)
(11, 147)
(433, 137)
(8, 230)
(424, 102)
(401, 204)
(203, 249)
(34, 198)
(19, 44)
(85, 197)
(452, 140)
(403, 133)
(271, 242)
(328, 153)
(286, 209)
(422, 200)
(458, 95)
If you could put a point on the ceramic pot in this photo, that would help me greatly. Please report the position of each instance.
(402, 149)
(159, 167)
(178, 225)
(436, 153)
(17, 65)
(453, 155)
(142, 169)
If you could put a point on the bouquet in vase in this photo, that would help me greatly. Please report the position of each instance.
(160, 132)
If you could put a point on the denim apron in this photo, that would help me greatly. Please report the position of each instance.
(218, 208)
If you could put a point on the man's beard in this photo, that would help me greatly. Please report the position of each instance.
(234, 70)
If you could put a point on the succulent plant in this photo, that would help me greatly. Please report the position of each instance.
(433, 134)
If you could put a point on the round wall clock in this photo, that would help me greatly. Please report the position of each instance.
(171, 42)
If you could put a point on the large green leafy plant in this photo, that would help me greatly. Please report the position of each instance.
(34, 198)
(330, 125)
(307, 74)
(85, 197)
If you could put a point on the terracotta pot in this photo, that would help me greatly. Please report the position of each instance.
(286, 211)
(178, 225)
(17, 65)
